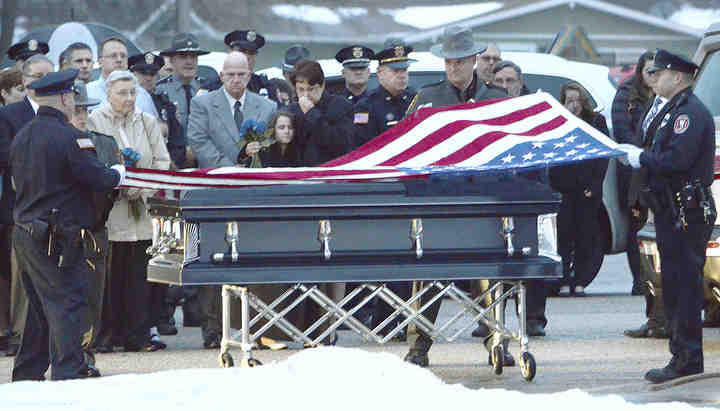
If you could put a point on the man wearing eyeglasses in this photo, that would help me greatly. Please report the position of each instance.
(12, 118)
(485, 62)
(114, 56)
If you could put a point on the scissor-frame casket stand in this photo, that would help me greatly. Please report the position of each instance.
(434, 231)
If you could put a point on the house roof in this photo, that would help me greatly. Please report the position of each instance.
(514, 10)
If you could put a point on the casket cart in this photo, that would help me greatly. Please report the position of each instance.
(433, 231)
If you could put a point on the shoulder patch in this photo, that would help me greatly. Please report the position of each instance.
(85, 143)
(361, 118)
(682, 122)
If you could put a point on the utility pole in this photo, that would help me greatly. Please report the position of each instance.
(182, 9)
(9, 12)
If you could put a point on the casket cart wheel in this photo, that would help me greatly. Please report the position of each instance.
(226, 360)
(498, 355)
(527, 366)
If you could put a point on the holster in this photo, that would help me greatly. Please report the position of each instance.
(70, 248)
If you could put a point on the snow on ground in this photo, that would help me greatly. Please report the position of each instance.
(327, 378)
(694, 17)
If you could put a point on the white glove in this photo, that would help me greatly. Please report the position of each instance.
(121, 170)
(633, 154)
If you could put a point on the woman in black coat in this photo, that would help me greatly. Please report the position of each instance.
(581, 188)
(632, 100)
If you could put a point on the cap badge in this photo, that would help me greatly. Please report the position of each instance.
(357, 52)
(32, 45)
(251, 36)
(399, 51)
(189, 43)
(149, 58)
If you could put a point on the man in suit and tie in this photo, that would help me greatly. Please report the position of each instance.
(12, 118)
(214, 136)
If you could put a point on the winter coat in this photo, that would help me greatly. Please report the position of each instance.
(141, 132)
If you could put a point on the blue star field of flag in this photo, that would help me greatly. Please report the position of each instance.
(573, 147)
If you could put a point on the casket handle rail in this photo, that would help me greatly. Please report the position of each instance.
(324, 235)
(508, 232)
(232, 237)
(416, 236)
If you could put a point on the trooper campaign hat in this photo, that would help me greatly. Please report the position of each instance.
(81, 96)
(27, 49)
(355, 56)
(58, 82)
(664, 60)
(147, 63)
(184, 43)
(247, 40)
(293, 55)
(458, 42)
(395, 54)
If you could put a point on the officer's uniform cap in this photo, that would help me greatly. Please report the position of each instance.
(395, 54)
(81, 96)
(27, 49)
(147, 63)
(293, 55)
(458, 42)
(184, 43)
(664, 60)
(248, 40)
(58, 82)
(355, 56)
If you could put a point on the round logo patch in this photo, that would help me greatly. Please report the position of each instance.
(682, 122)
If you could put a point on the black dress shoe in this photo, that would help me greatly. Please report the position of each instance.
(12, 350)
(92, 372)
(104, 349)
(156, 341)
(535, 329)
(646, 332)
(481, 331)
(419, 358)
(147, 347)
(212, 342)
(166, 329)
(508, 360)
(660, 375)
(711, 323)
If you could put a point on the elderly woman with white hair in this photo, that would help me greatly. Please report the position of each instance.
(139, 137)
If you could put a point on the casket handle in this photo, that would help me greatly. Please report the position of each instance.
(508, 232)
(416, 236)
(324, 235)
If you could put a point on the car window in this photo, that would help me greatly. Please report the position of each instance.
(707, 83)
(550, 84)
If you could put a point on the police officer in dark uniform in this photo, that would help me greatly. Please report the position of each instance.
(680, 172)
(96, 242)
(381, 109)
(293, 54)
(55, 171)
(386, 105)
(148, 64)
(356, 61)
(26, 49)
(249, 42)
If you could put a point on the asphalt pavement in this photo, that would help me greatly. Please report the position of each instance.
(584, 349)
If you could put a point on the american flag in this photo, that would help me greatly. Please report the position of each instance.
(526, 132)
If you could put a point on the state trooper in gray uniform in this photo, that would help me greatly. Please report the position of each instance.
(183, 84)
(461, 86)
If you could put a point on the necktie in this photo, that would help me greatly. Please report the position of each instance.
(188, 96)
(238, 115)
(651, 115)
